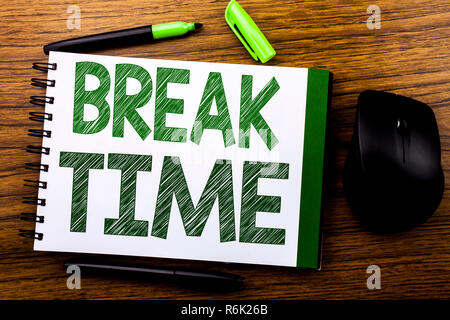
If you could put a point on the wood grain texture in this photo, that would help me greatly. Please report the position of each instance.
(409, 55)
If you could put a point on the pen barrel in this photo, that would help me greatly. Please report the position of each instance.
(216, 281)
(105, 40)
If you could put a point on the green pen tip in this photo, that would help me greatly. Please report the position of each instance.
(198, 25)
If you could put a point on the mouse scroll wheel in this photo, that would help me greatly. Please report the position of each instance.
(402, 126)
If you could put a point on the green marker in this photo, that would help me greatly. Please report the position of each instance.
(173, 29)
(248, 32)
(131, 36)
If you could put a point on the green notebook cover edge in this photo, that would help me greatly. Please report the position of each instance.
(317, 98)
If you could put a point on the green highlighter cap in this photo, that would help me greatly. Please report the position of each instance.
(248, 32)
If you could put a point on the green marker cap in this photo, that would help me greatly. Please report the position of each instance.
(248, 32)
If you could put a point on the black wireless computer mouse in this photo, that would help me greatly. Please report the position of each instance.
(393, 177)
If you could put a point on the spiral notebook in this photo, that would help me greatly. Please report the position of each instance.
(177, 159)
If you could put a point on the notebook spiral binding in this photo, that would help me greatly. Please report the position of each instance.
(40, 101)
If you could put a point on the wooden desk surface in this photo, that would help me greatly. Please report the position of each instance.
(409, 55)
